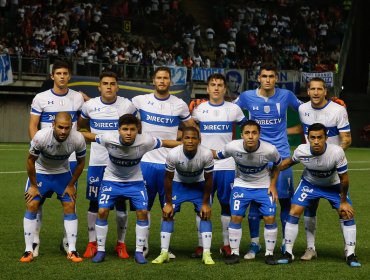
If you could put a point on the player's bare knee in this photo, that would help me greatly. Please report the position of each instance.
(69, 207)
(296, 210)
(142, 215)
(103, 213)
(236, 219)
(269, 219)
(33, 206)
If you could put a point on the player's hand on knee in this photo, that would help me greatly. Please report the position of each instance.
(205, 212)
(71, 191)
(346, 211)
(31, 193)
(167, 211)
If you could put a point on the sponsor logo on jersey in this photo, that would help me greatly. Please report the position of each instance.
(307, 189)
(269, 121)
(250, 169)
(238, 195)
(124, 162)
(93, 180)
(106, 189)
(321, 174)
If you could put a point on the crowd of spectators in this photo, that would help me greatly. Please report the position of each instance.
(302, 35)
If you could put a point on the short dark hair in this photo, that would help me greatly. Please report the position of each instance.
(316, 79)
(269, 67)
(162, 68)
(128, 119)
(216, 76)
(108, 74)
(61, 64)
(317, 127)
(251, 123)
(190, 128)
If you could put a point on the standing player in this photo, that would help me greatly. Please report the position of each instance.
(123, 179)
(101, 115)
(325, 176)
(253, 183)
(161, 114)
(44, 108)
(335, 118)
(216, 119)
(48, 172)
(268, 106)
(188, 178)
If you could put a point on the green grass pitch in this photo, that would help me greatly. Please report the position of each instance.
(52, 264)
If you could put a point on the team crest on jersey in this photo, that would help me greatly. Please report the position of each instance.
(239, 155)
(216, 113)
(61, 102)
(266, 109)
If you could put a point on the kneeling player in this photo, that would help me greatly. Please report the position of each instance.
(48, 172)
(188, 177)
(252, 184)
(325, 176)
(123, 179)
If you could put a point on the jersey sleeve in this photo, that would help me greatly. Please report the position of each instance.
(85, 111)
(101, 139)
(36, 144)
(80, 102)
(240, 117)
(152, 143)
(36, 108)
(295, 156)
(184, 112)
(240, 101)
(224, 153)
(275, 157)
(341, 163)
(80, 146)
(208, 167)
(170, 163)
(294, 102)
(343, 122)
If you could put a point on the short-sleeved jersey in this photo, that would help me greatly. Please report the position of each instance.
(216, 127)
(321, 170)
(47, 104)
(160, 118)
(53, 155)
(251, 167)
(124, 160)
(189, 170)
(271, 114)
(332, 115)
(103, 118)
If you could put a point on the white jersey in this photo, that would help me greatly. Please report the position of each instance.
(332, 115)
(124, 161)
(216, 127)
(160, 118)
(251, 167)
(53, 155)
(47, 104)
(189, 170)
(321, 170)
(103, 118)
